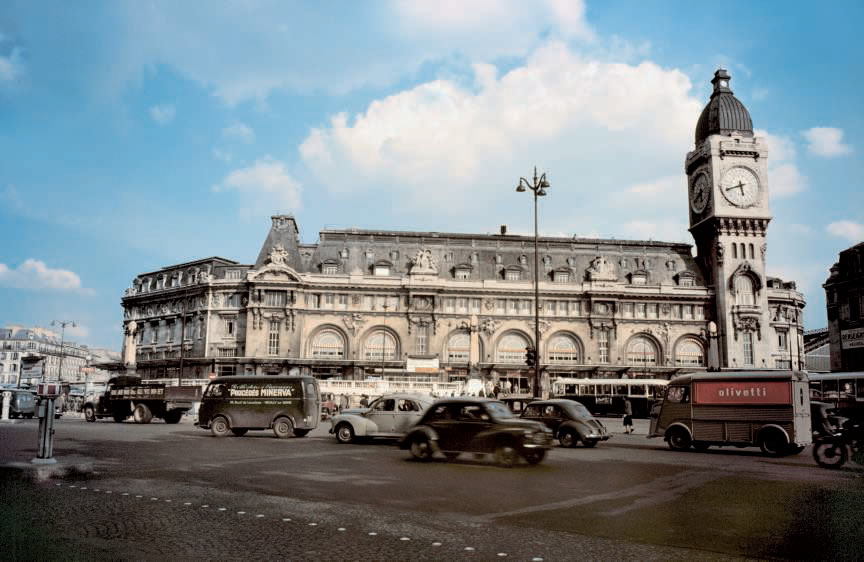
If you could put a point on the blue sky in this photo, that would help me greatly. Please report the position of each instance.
(135, 135)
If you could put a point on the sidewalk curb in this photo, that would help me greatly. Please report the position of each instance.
(44, 472)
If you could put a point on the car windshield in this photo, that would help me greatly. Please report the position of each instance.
(577, 410)
(499, 410)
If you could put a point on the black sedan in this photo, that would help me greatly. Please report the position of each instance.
(569, 420)
(476, 425)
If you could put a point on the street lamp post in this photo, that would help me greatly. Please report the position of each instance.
(538, 187)
(62, 324)
(384, 338)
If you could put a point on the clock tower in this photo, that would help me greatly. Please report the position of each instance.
(729, 214)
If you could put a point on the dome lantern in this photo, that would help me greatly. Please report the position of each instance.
(723, 114)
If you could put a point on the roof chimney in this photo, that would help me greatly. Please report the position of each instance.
(503, 229)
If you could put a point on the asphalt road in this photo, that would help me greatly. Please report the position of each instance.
(159, 490)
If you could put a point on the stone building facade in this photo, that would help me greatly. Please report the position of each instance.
(844, 298)
(32, 355)
(361, 303)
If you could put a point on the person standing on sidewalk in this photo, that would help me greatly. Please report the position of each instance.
(628, 416)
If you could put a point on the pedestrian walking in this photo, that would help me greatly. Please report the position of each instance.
(364, 401)
(343, 402)
(628, 416)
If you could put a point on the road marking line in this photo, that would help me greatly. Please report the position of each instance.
(286, 519)
(404, 539)
(436, 544)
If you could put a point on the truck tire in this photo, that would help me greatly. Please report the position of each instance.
(142, 414)
(173, 416)
(773, 442)
(679, 439)
(282, 427)
(89, 413)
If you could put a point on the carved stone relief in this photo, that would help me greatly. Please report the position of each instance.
(489, 325)
(423, 262)
(353, 322)
(602, 269)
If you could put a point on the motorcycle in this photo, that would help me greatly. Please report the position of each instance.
(835, 450)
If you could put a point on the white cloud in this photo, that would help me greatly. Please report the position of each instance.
(668, 186)
(826, 141)
(440, 141)
(239, 132)
(11, 65)
(665, 230)
(34, 274)
(784, 177)
(162, 114)
(77, 332)
(846, 229)
(264, 187)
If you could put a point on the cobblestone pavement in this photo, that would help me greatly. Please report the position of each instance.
(160, 490)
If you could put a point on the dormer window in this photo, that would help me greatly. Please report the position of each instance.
(686, 280)
(639, 278)
(462, 271)
(330, 267)
(561, 276)
(513, 274)
(382, 270)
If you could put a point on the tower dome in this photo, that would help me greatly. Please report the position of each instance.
(724, 114)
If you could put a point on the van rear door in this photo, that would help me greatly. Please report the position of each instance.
(312, 401)
(801, 408)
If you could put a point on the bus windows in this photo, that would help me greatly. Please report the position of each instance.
(621, 389)
(604, 389)
(847, 388)
(860, 390)
(592, 390)
(829, 389)
(638, 390)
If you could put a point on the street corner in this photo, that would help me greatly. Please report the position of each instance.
(44, 470)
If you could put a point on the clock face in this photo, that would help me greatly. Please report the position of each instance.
(700, 193)
(740, 186)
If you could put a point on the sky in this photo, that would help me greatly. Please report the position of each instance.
(139, 134)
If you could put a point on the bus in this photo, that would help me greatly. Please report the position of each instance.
(843, 391)
(605, 397)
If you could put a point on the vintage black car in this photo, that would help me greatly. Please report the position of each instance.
(570, 421)
(477, 425)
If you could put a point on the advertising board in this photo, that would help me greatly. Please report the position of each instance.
(718, 393)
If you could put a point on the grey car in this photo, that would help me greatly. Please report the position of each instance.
(22, 405)
(389, 416)
(570, 421)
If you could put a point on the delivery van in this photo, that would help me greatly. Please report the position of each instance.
(288, 405)
(769, 410)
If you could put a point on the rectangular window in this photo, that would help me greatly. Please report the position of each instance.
(550, 307)
(699, 312)
(512, 306)
(628, 309)
(330, 269)
(227, 352)
(328, 300)
(641, 310)
(448, 304)
(513, 275)
(273, 339)
(422, 339)
(382, 270)
(525, 306)
(227, 370)
(154, 333)
(687, 311)
(562, 277)
(368, 302)
(652, 310)
(234, 274)
(686, 281)
(169, 336)
(343, 302)
(274, 298)
(747, 339)
(461, 304)
(475, 306)
(676, 311)
(463, 274)
(562, 308)
(575, 307)
(781, 341)
(603, 345)
(500, 306)
(229, 328)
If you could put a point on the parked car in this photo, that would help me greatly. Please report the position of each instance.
(570, 421)
(328, 405)
(390, 416)
(477, 425)
(22, 404)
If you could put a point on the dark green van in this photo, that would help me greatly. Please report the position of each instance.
(289, 405)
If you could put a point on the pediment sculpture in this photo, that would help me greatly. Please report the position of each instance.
(423, 262)
(602, 269)
(278, 255)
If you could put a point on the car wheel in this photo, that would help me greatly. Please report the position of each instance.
(344, 433)
(589, 442)
(219, 427)
(421, 448)
(505, 455)
(283, 428)
(300, 432)
(535, 457)
(451, 455)
(89, 414)
(142, 414)
(678, 438)
(567, 439)
(830, 454)
(238, 432)
(773, 442)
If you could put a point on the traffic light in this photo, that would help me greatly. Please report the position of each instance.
(530, 356)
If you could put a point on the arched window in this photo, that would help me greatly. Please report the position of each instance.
(563, 349)
(689, 353)
(511, 349)
(641, 351)
(328, 344)
(458, 348)
(379, 345)
(744, 291)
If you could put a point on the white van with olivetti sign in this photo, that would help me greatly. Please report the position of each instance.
(769, 410)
